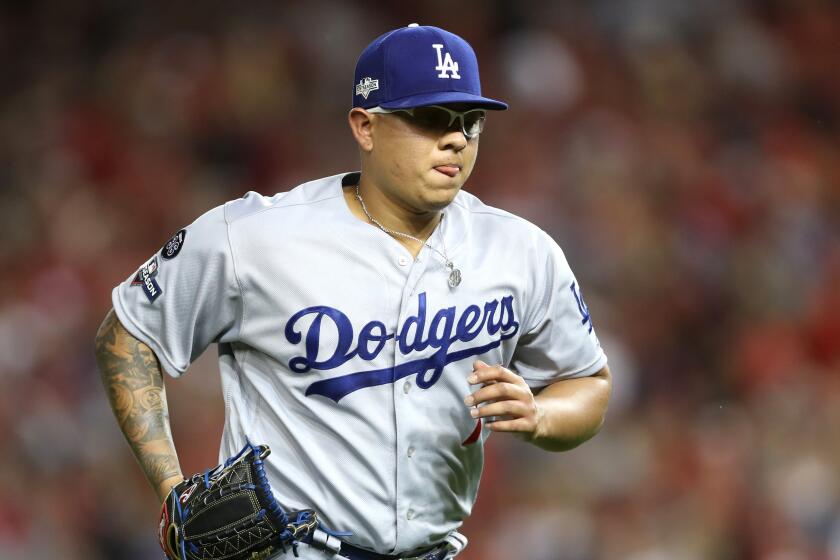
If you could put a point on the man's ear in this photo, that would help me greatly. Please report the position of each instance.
(361, 126)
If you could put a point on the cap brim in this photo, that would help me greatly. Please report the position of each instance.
(444, 97)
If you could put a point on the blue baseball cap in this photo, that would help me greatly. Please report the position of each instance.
(418, 65)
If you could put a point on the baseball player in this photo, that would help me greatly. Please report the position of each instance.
(374, 327)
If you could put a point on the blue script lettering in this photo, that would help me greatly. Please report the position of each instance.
(468, 320)
(445, 329)
(342, 353)
(418, 322)
(367, 336)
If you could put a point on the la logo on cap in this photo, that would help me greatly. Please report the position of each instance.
(446, 64)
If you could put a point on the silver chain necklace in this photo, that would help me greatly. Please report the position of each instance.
(454, 273)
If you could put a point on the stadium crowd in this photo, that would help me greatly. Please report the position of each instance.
(686, 156)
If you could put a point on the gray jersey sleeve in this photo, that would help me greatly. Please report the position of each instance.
(560, 342)
(186, 296)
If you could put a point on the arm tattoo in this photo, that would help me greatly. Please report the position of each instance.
(133, 380)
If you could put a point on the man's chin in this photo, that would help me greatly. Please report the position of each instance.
(442, 187)
(438, 198)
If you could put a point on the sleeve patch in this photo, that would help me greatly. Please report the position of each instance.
(172, 247)
(145, 278)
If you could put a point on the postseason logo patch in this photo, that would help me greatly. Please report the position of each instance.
(366, 85)
(172, 247)
(145, 278)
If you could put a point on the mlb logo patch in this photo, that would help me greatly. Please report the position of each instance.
(145, 278)
(149, 269)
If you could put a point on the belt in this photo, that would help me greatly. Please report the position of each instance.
(355, 553)
(320, 539)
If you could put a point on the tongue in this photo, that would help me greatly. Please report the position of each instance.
(450, 170)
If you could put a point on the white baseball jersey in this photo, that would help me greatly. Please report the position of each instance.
(350, 358)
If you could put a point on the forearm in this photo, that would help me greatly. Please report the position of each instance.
(571, 411)
(133, 381)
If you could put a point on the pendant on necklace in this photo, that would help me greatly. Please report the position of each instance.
(454, 275)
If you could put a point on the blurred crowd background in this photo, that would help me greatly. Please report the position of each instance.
(685, 154)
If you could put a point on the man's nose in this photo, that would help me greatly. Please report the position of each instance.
(453, 138)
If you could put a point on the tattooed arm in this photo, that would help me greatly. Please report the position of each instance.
(134, 382)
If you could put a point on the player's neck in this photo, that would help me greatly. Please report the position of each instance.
(393, 215)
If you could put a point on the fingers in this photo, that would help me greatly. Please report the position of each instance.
(496, 391)
(507, 402)
(483, 373)
(501, 408)
(497, 383)
(521, 425)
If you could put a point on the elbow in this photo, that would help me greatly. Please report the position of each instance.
(106, 335)
(603, 390)
(602, 401)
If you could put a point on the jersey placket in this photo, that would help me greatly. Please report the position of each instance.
(403, 390)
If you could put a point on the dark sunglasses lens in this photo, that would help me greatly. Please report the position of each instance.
(436, 119)
(431, 118)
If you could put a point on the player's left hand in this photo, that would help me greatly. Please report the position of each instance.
(508, 397)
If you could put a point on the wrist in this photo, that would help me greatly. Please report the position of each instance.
(538, 432)
(546, 434)
(165, 486)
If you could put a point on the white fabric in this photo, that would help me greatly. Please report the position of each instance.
(301, 294)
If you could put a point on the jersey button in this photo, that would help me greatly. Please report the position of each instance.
(406, 387)
(409, 514)
(410, 451)
(403, 261)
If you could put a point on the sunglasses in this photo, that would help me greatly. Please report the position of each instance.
(439, 119)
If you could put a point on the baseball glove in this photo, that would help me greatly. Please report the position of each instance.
(229, 513)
